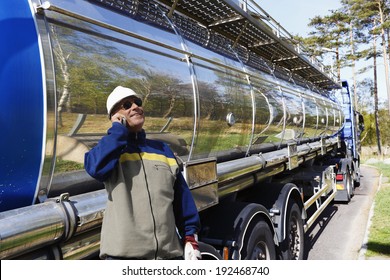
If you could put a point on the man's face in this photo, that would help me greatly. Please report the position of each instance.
(131, 109)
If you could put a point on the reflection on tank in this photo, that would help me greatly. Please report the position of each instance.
(208, 109)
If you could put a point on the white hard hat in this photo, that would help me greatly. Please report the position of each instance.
(117, 95)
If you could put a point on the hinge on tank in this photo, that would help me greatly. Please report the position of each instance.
(172, 10)
(39, 9)
(63, 197)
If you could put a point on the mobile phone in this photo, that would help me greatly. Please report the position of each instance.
(123, 121)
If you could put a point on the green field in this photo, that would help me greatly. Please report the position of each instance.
(378, 245)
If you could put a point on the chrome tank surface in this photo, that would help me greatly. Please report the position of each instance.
(202, 95)
(212, 88)
(205, 94)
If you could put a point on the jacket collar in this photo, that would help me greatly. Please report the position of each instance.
(138, 137)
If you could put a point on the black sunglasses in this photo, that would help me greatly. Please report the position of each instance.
(127, 104)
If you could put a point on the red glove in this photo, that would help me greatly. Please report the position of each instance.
(191, 248)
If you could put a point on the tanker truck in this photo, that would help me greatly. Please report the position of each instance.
(265, 135)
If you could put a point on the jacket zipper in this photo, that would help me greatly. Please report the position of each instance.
(151, 206)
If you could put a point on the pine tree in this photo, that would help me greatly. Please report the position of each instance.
(373, 16)
(369, 15)
(329, 35)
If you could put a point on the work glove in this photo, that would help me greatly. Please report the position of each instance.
(191, 248)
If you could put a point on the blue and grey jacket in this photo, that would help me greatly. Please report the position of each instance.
(148, 198)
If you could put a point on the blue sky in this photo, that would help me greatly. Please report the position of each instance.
(294, 16)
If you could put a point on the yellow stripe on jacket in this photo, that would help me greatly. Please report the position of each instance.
(148, 156)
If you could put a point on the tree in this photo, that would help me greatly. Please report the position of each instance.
(328, 34)
(384, 22)
(365, 21)
(366, 91)
(373, 16)
(370, 16)
(163, 86)
(89, 67)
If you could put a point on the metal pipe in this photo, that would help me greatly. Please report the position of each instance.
(29, 228)
(90, 209)
(228, 171)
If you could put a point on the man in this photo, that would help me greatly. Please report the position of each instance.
(148, 198)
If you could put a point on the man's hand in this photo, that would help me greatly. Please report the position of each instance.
(191, 248)
(120, 118)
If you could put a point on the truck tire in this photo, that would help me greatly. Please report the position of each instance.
(356, 173)
(260, 244)
(292, 247)
(349, 185)
(208, 252)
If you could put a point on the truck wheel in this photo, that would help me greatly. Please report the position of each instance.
(260, 245)
(292, 247)
(208, 252)
(349, 185)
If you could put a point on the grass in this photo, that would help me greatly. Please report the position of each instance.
(378, 245)
(67, 165)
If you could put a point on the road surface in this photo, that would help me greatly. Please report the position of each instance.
(339, 232)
